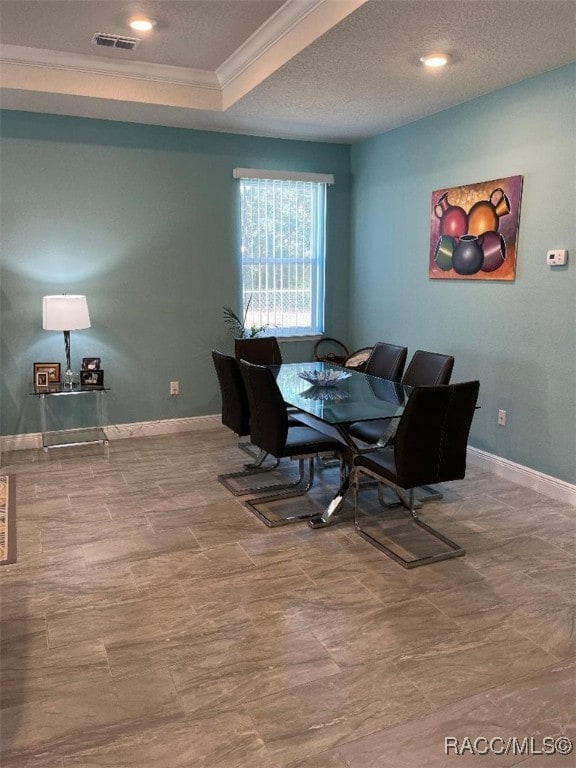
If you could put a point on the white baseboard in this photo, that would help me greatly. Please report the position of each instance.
(20, 442)
(162, 427)
(509, 470)
(521, 475)
(121, 431)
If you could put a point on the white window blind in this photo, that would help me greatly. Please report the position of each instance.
(282, 236)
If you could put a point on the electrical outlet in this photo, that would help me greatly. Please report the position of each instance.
(502, 418)
(174, 387)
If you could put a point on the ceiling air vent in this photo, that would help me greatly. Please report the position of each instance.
(116, 41)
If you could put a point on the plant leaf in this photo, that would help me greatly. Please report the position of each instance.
(237, 326)
(246, 312)
(233, 321)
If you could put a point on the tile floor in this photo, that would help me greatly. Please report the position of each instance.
(153, 621)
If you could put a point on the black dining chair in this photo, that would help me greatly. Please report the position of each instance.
(236, 416)
(430, 368)
(261, 350)
(429, 447)
(386, 361)
(235, 408)
(271, 431)
(235, 412)
(425, 368)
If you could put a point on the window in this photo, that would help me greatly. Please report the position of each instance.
(282, 245)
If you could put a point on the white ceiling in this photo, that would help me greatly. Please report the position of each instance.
(329, 70)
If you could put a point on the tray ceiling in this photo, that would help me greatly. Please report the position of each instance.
(331, 70)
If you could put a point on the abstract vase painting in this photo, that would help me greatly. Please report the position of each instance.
(474, 230)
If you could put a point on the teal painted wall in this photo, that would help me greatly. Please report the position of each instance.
(518, 338)
(142, 220)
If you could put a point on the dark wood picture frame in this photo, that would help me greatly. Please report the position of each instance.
(92, 378)
(52, 369)
(90, 363)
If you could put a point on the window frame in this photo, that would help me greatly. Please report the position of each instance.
(318, 238)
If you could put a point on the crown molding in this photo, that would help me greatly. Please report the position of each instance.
(100, 86)
(286, 33)
(94, 65)
(286, 18)
(290, 30)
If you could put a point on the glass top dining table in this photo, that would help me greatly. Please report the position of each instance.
(357, 397)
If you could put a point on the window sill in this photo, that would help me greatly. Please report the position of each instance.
(304, 337)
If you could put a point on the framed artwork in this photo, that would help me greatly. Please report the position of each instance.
(90, 363)
(52, 369)
(474, 230)
(92, 378)
(41, 379)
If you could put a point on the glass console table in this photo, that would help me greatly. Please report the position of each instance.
(60, 438)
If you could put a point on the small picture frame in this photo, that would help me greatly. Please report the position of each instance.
(52, 369)
(41, 380)
(92, 378)
(90, 363)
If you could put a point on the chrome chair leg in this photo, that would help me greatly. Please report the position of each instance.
(259, 461)
(409, 501)
(431, 494)
(254, 468)
(247, 447)
(402, 499)
(228, 478)
(327, 462)
(259, 505)
(258, 455)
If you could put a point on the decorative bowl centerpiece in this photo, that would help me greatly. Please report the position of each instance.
(328, 378)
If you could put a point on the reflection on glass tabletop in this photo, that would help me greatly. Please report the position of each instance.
(331, 394)
(324, 378)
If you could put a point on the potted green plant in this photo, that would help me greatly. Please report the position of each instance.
(238, 326)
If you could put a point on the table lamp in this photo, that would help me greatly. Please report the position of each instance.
(65, 313)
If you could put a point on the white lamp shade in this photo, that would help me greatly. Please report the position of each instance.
(65, 313)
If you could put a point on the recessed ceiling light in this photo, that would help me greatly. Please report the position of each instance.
(435, 60)
(142, 24)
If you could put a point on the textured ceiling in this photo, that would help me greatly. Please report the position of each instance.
(333, 70)
(363, 77)
(200, 34)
